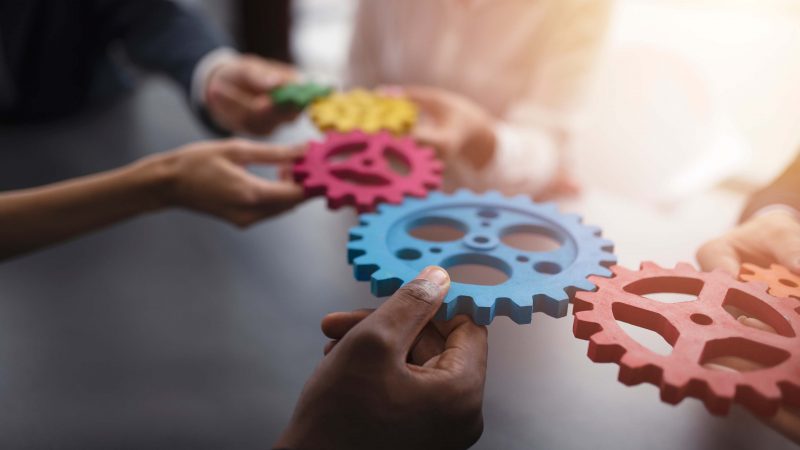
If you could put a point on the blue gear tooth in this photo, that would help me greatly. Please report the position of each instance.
(594, 230)
(363, 271)
(607, 246)
(584, 285)
(575, 218)
(482, 315)
(373, 244)
(519, 311)
(551, 307)
(493, 196)
(353, 253)
(461, 194)
(383, 284)
(520, 199)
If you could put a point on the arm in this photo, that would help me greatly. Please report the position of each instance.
(363, 64)
(765, 235)
(393, 379)
(206, 177)
(536, 130)
(785, 190)
(159, 35)
(520, 151)
(229, 91)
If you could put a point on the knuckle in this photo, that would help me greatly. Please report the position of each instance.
(419, 292)
(236, 145)
(374, 342)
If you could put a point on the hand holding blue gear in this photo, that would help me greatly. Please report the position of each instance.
(383, 251)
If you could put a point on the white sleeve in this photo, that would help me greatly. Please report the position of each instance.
(524, 162)
(202, 72)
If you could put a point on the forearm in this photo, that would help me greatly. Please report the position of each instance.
(33, 218)
(785, 190)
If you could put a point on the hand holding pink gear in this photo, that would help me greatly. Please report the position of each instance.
(355, 169)
(702, 333)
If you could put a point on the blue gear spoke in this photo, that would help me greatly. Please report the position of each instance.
(384, 252)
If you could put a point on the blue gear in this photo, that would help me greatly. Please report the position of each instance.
(382, 251)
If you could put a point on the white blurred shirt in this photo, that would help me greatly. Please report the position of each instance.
(525, 61)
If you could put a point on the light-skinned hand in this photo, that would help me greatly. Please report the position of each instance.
(392, 379)
(454, 125)
(238, 94)
(211, 177)
(773, 237)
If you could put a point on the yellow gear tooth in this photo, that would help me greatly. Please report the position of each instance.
(364, 110)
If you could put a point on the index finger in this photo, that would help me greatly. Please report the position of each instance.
(249, 152)
(466, 347)
(719, 254)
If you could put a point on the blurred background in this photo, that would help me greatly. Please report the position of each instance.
(175, 331)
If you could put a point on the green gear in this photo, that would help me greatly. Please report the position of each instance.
(299, 95)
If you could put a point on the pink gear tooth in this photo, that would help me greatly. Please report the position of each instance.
(710, 332)
(424, 172)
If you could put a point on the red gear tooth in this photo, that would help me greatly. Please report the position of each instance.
(649, 265)
(368, 164)
(583, 327)
(603, 348)
(682, 373)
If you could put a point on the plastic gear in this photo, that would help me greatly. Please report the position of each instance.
(356, 169)
(700, 332)
(383, 251)
(781, 282)
(299, 95)
(363, 110)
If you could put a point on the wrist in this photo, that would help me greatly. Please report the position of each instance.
(154, 178)
(778, 209)
(480, 146)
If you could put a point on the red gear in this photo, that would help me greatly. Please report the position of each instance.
(699, 331)
(365, 177)
(781, 282)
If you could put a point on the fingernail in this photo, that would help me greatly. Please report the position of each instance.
(436, 275)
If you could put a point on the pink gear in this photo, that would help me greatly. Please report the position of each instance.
(356, 169)
(704, 336)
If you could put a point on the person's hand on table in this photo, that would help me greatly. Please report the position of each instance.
(238, 94)
(773, 237)
(392, 379)
(211, 177)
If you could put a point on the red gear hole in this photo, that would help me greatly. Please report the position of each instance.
(356, 169)
(700, 332)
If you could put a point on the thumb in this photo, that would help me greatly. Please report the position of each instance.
(401, 318)
(719, 254)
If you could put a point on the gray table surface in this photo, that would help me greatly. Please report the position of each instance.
(176, 331)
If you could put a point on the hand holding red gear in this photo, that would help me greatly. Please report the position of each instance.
(699, 331)
(366, 158)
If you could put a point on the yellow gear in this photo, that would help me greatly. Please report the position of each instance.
(363, 110)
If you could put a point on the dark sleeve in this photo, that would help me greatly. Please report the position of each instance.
(159, 35)
(785, 190)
